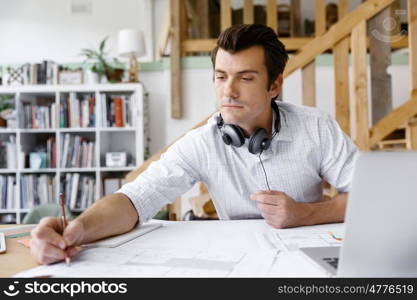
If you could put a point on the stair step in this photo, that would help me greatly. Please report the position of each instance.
(393, 142)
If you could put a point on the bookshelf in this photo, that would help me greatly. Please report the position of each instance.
(98, 119)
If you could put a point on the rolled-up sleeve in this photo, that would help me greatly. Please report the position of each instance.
(162, 182)
(338, 155)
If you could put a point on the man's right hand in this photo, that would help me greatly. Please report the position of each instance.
(49, 244)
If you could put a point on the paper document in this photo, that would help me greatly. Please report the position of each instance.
(111, 262)
(323, 236)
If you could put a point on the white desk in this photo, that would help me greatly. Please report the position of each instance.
(244, 248)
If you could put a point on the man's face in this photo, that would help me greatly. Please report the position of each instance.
(241, 84)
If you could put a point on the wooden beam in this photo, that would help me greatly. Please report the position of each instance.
(394, 120)
(380, 60)
(291, 44)
(308, 79)
(412, 42)
(342, 8)
(341, 75)
(396, 28)
(164, 34)
(203, 11)
(174, 210)
(295, 15)
(360, 86)
(175, 70)
(272, 14)
(413, 134)
(184, 22)
(337, 32)
(412, 48)
(204, 45)
(225, 14)
(308, 73)
(248, 12)
(320, 17)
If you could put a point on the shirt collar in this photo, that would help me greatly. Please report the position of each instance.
(285, 132)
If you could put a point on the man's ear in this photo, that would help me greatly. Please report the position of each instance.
(276, 86)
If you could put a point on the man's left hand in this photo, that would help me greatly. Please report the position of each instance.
(280, 210)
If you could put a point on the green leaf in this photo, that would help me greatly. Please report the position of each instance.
(103, 44)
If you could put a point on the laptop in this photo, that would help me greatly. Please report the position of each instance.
(380, 237)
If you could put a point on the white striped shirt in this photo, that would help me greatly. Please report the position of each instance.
(310, 147)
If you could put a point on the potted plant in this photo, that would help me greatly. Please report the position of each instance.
(101, 65)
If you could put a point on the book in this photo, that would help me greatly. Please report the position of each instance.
(74, 190)
(118, 112)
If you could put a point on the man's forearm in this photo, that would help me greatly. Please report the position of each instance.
(111, 215)
(331, 211)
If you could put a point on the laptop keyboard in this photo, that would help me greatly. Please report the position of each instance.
(333, 261)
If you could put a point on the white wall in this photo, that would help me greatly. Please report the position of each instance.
(34, 30)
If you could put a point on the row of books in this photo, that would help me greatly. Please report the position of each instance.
(117, 110)
(39, 116)
(45, 72)
(37, 189)
(77, 152)
(79, 190)
(7, 192)
(77, 111)
(8, 152)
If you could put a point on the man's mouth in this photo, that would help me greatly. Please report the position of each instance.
(232, 106)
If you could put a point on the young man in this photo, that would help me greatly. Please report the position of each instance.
(259, 158)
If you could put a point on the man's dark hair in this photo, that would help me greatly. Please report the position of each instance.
(244, 36)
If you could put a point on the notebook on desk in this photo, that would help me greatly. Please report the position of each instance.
(115, 241)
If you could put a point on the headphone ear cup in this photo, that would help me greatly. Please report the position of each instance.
(233, 135)
(259, 141)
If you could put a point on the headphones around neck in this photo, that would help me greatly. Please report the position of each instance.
(258, 141)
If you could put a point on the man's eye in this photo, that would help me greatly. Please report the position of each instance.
(220, 77)
(247, 78)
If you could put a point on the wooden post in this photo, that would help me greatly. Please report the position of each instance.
(203, 12)
(380, 59)
(272, 15)
(308, 79)
(413, 134)
(360, 86)
(412, 48)
(295, 18)
(225, 14)
(341, 75)
(395, 30)
(174, 210)
(308, 73)
(176, 93)
(248, 13)
(320, 17)
(412, 42)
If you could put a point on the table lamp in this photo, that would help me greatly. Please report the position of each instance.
(131, 43)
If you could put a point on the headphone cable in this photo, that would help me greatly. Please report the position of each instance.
(263, 168)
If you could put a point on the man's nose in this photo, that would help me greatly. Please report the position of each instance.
(231, 90)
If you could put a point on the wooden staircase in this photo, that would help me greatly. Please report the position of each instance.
(397, 130)
(401, 138)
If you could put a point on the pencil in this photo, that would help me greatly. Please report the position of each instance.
(64, 222)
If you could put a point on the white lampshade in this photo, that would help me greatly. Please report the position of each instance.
(131, 41)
